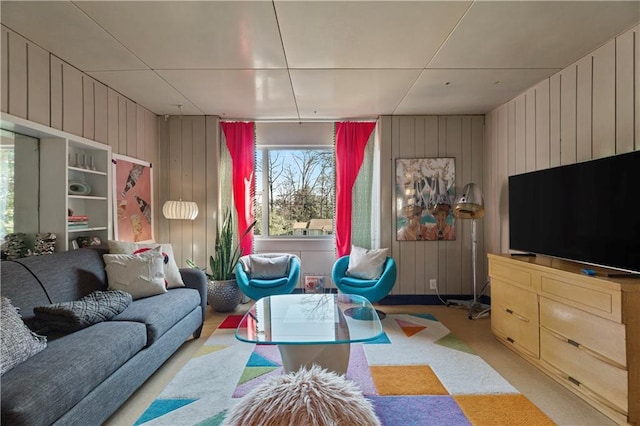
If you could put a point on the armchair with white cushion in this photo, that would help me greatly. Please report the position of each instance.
(367, 273)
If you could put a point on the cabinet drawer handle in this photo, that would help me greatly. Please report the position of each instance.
(589, 351)
(515, 314)
(523, 349)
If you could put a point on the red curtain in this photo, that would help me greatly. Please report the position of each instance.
(240, 143)
(351, 140)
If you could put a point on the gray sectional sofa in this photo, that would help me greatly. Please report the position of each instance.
(83, 377)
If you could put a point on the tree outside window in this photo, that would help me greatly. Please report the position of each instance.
(295, 192)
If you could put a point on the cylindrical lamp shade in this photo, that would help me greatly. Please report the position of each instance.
(180, 210)
(470, 205)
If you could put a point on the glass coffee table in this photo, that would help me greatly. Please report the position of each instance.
(310, 328)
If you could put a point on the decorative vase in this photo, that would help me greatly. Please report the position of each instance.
(223, 296)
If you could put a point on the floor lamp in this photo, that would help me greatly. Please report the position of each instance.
(470, 205)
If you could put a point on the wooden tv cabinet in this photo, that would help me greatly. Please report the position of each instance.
(583, 331)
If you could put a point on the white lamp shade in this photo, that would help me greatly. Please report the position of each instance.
(470, 205)
(180, 210)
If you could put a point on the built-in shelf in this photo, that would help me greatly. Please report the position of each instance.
(83, 170)
(86, 197)
(95, 228)
(58, 167)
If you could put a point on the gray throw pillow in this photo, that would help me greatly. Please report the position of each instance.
(18, 342)
(267, 268)
(93, 308)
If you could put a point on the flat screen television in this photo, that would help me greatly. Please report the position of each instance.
(586, 212)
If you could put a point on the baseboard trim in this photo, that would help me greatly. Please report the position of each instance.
(416, 299)
(428, 299)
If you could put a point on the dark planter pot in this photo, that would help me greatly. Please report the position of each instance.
(223, 296)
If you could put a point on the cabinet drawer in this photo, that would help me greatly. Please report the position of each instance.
(598, 300)
(514, 316)
(511, 274)
(601, 338)
(601, 381)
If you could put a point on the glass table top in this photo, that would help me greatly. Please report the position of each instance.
(308, 319)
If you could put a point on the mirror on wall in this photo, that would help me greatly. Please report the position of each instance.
(19, 184)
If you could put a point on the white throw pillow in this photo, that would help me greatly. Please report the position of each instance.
(171, 271)
(140, 275)
(366, 264)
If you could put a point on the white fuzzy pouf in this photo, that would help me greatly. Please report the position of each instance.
(314, 397)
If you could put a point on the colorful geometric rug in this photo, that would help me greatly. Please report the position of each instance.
(416, 373)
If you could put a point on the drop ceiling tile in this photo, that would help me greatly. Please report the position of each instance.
(239, 94)
(64, 30)
(200, 34)
(533, 34)
(365, 34)
(348, 59)
(147, 89)
(467, 91)
(350, 93)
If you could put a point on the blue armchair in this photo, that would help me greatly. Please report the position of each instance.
(261, 275)
(372, 290)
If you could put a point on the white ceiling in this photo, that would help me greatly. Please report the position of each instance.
(320, 59)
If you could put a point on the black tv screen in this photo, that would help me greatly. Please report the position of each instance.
(586, 212)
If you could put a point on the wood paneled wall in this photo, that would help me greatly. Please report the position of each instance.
(589, 110)
(42, 88)
(449, 262)
(189, 152)
(188, 170)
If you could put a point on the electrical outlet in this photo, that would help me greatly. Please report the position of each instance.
(433, 284)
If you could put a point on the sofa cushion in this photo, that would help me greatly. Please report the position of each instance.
(140, 275)
(171, 271)
(160, 313)
(68, 275)
(18, 342)
(23, 289)
(51, 382)
(93, 308)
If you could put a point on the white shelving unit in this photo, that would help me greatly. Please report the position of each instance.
(58, 167)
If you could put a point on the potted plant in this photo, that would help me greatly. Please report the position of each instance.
(223, 293)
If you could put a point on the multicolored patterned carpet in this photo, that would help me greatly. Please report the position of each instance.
(416, 373)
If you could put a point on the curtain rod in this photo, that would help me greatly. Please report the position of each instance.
(292, 120)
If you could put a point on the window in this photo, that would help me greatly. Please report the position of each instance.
(295, 191)
(7, 180)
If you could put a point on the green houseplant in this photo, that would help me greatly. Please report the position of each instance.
(223, 293)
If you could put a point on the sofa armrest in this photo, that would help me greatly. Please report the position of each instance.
(195, 278)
